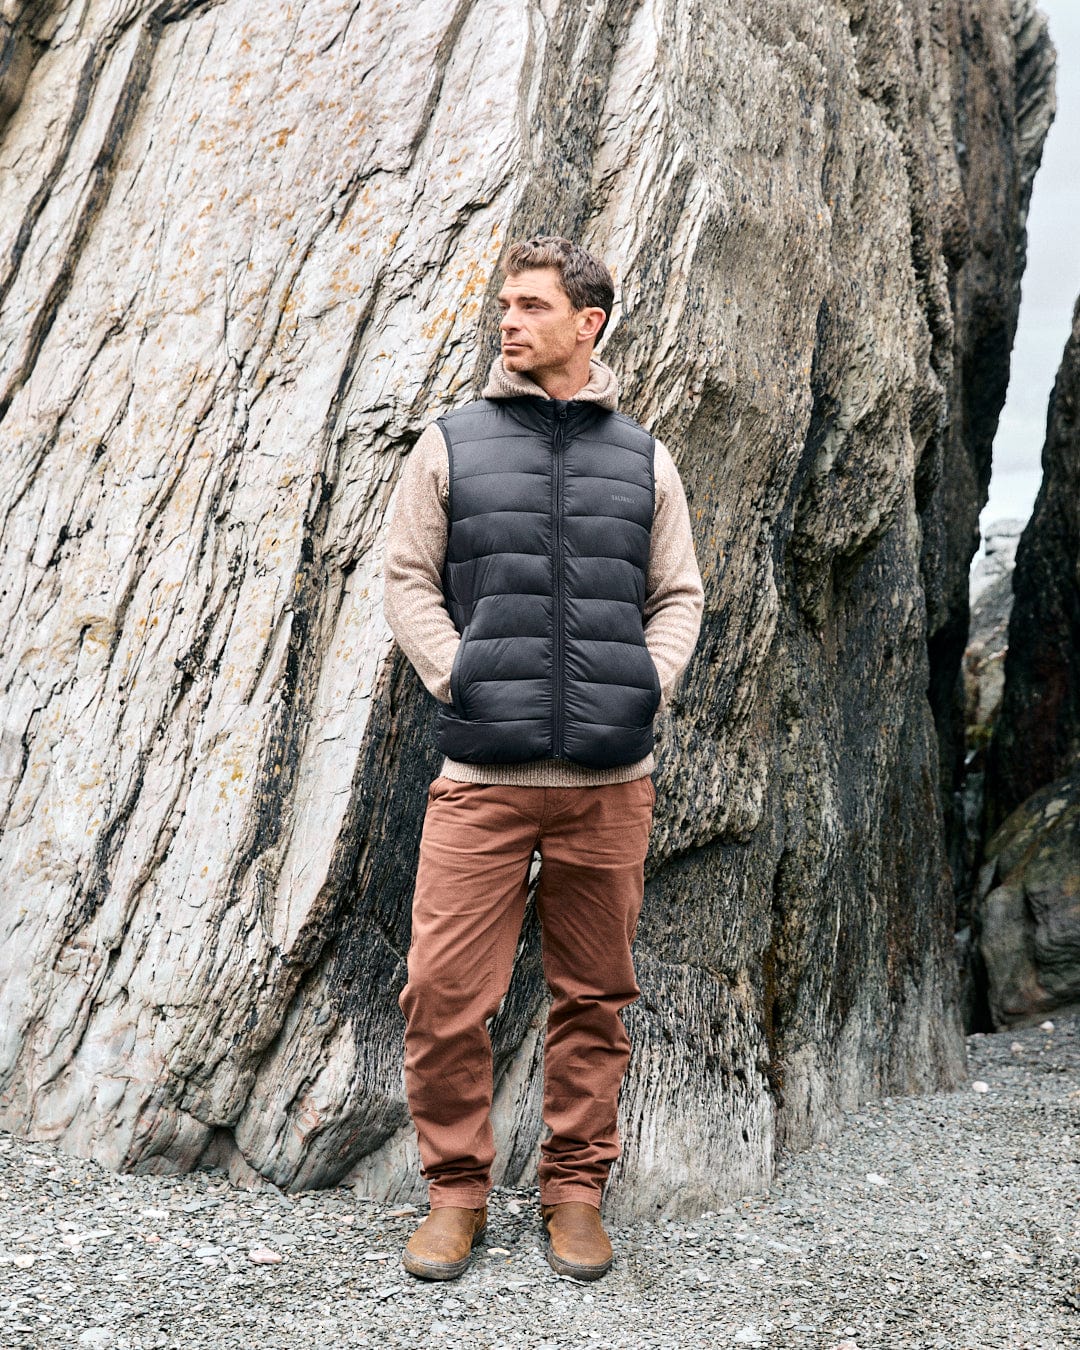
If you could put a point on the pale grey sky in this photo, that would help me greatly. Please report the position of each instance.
(1050, 286)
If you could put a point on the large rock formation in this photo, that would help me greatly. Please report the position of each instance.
(1036, 736)
(995, 566)
(989, 238)
(246, 257)
(984, 656)
(990, 590)
(1028, 915)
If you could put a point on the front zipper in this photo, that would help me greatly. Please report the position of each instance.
(558, 441)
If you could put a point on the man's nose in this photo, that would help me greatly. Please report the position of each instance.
(508, 321)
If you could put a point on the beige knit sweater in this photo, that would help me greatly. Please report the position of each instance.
(416, 610)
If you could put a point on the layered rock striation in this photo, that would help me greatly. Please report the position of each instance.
(244, 260)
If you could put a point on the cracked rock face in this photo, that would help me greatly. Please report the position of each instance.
(243, 263)
(1028, 909)
(1037, 733)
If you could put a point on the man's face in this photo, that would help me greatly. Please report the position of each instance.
(540, 329)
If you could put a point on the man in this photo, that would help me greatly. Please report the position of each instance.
(541, 578)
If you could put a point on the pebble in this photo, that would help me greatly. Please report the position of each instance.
(833, 1254)
(751, 1335)
(980, 1086)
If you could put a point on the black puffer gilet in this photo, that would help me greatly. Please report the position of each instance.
(551, 507)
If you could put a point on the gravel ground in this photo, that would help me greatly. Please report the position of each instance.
(944, 1221)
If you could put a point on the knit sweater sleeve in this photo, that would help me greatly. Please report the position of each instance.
(413, 602)
(674, 595)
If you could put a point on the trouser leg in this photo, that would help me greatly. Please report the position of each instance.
(589, 899)
(468, 906)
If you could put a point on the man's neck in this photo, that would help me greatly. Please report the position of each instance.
(565, 382)
(554, 387)
(601, 386)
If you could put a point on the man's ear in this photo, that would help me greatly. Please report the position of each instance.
(590, 321)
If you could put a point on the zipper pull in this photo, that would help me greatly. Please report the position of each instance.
(560, 422)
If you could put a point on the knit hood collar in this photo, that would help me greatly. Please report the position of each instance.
(602, 388)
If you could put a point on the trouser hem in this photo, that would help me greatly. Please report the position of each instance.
(564, 1194)
(461, 1197)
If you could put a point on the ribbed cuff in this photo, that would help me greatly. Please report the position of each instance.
(545, 773)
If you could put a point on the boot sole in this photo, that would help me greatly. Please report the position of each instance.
(573, 1269)
(440, 1270)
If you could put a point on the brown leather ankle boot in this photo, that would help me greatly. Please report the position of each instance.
(441, 1247)
(577, 1244)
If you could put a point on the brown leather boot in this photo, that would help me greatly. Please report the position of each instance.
(441, 1247)
(577, 1244)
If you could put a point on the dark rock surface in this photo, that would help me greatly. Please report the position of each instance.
(1037, 733)
(985, 245)
(1027, 916)
(243, 263)
(984, 683)
(1027, 920)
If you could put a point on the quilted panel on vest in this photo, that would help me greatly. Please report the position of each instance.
(545, 579)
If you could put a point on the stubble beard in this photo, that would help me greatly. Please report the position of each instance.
(518, 362)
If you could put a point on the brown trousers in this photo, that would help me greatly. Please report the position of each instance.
(468, 906)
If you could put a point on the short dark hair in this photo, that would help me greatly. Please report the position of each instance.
(585, 279)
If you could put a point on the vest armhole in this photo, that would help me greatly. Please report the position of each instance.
(448, 440)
